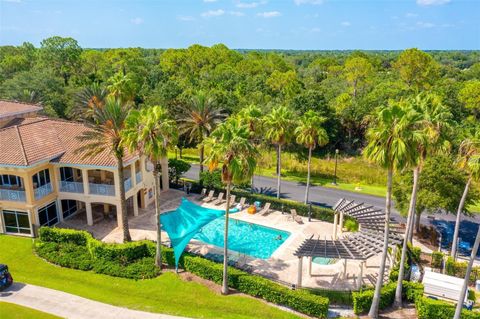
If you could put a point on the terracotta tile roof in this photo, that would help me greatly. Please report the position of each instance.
(41, 139)
(9, 108)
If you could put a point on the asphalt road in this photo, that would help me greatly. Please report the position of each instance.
(319, 195)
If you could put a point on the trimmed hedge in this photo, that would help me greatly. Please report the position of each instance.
(362, 300)
(136, 261)
(428, 308)
(459, 269)
(437, 259)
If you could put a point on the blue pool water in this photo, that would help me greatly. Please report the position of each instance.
(246, 238)
(467, 232)
(323, 261)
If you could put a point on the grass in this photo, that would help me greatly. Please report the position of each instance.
(167, 293)
(13, 311)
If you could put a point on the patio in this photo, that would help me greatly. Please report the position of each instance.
(282, 266)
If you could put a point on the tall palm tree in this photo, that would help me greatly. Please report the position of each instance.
(251, 116)
(87, 100)
(232, 149)
(105, 133)
(389, 146)
(430, 120)
(310, 133)
(279, 125)
(468, 154)
(151, 131)
(198, 118)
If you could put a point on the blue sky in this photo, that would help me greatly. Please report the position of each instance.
(264, 24)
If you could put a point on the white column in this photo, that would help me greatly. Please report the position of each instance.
(88, 209)
(165, 185)
(132, 174)
(345, 269)
(300, 270)
(310, 266)
(59, 210)
(341, 222)
(335, 224)
(86, 189)
(360, 276)
(135, 205)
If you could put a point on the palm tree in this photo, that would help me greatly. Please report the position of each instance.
(468, 154)
(89, 98)
(151, 131)
(389, 146)
(310, 133)
(105, 133)
(232, 149)
(279, 126)
(430, 122)
(198, 118)
(251, 116)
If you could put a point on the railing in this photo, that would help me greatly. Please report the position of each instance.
(71, 187)
(128, 184)
(12, 195)
(138, 177)
(102, 189)
(43, 190)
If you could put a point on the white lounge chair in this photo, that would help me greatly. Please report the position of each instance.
(294, 216)
(219, 199)
(265, 210)
(232, 201)
(209, 198)
(242, 203)
(203, 193)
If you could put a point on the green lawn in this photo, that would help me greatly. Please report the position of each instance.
(13, 311)
(165, 294)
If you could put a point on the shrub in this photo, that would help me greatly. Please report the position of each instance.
(65, 254)
(211, 179)
(176, 168)
(437, 259)
(363, 300)
(63, 235)
(143, 268)
(211, 270)
(340, 297)
(428, 308)
(122, 253)
(351, 225)
(414, 253)
(412, 290)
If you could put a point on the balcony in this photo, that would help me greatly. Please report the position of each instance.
(138, 177)
(102, 189)
(12, 195)
(71, 187)
(43, 191)
(128, 184)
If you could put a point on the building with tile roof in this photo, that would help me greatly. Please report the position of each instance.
(44, 179)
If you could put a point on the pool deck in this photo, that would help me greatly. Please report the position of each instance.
(281, 266)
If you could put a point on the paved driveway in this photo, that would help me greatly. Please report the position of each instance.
(66, 305)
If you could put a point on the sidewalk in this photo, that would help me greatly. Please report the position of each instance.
(66, 305)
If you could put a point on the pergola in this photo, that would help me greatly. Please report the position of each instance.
(359, 246)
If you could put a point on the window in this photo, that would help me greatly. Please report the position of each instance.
(10, 180)
(16, 222)
(47, 216)
(66, 174)
(41, 178)
(69, 207)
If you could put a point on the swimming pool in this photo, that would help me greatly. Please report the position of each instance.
(243, 237)
(323, 261)
(467, 234)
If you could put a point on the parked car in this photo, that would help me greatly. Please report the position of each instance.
(6, 278)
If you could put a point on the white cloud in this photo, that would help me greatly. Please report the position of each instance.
(426, 25)
(209, 1)
(411, 15)
(269, 14)
(431, 2)
(314, 2)
(185, 18)
(213, 13)
(236, 13)
(137, 20)
(346, 24)
(249, 5)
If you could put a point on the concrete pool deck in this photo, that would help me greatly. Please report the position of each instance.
(281, 266)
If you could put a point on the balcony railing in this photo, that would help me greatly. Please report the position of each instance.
(128, 184)
(138, 177)
(43, 191)
(12, 195)
(71, 187)
(102, 189)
